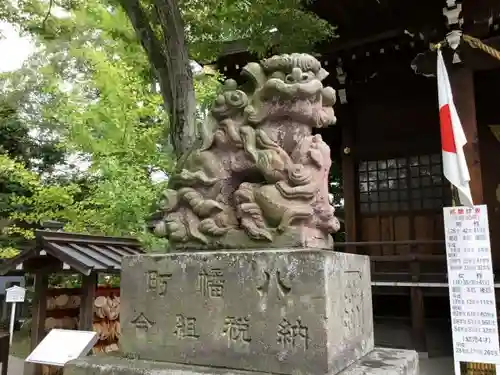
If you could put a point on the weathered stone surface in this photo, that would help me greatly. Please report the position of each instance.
(279, 311)
(378, 362)
(258, 170)
(290, 238)
(383, 361)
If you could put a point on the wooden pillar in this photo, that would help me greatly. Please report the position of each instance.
(462, 84)
(418, 319)
(4, 352)
(89, 284)
(417, 310)
(39, 309)
(349, 180)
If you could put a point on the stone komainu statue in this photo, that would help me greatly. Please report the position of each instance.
(260, 178)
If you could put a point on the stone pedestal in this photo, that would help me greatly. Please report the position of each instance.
(275, 311)
(271, 311)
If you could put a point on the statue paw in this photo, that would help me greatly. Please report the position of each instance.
(262, 234)
(257, 232)
(210, 227)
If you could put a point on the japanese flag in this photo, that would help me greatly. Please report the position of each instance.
(452, 137)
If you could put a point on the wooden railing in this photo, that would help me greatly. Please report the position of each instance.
(412, 267)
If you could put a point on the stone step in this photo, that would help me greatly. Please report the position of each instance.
(378, 362)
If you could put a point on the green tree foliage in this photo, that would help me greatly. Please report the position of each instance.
(102, 75)
(30, 152)
(96, 96)
(172, 32)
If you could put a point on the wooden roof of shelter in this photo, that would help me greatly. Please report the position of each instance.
(85, 254)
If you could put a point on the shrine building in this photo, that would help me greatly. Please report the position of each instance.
(387, 145)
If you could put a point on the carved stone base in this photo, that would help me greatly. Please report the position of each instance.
(378, 362)
(277, 311)
(294, 237)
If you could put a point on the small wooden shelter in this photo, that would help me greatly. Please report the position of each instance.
(59, 252)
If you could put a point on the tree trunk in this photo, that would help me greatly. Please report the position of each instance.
(170, 60)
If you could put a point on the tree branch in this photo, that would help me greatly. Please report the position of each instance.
(152, 46)
(48, 13)
(184, 132)
(170, 60)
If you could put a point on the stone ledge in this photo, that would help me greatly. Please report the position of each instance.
(378, 362)
(383, 361)
(292, 238)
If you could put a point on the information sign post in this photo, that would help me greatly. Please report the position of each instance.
(14, 295)
(471, 286)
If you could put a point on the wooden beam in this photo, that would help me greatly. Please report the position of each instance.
(39, 307)
(242, 45)
(342, 46)
(417, 311)
(349, 185)
(4, 352)
(89, 284)
(462, 84)
(476, 15)
(42, 264)
(473, 58)
(418, 319)
(477, 59)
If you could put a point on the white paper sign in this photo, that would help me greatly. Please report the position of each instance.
(471, 285)
(61, 346)
(15, 294)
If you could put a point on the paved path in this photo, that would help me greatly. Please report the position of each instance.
(16, 366)
(433, 366)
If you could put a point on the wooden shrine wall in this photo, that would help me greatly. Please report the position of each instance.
(487, 84)
(398, 164)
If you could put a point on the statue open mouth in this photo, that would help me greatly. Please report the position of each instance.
(294, 89)
(307, 90)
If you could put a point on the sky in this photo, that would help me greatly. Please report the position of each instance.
(13, 48)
